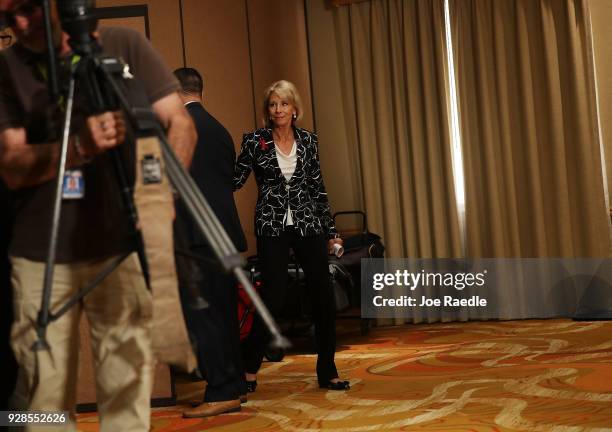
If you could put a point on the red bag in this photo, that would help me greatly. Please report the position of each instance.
(246, 309)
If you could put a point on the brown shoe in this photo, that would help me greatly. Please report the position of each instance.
(195, 402)
(208, 409)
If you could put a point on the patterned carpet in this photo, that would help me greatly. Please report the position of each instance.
(553, 375)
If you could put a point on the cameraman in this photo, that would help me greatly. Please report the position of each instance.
(7, 360)
(93, 230)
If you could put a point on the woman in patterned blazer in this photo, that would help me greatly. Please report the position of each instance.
(292, 211)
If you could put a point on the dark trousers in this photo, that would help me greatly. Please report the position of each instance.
(273, 257)
(216, 334)
(8, 364)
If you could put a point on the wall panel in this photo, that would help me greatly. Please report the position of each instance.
(165, 26)
(279, 48)
(217, 45)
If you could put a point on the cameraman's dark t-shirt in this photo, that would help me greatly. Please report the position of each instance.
(96, 226)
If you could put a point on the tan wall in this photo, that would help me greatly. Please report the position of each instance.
(217, 44)
(279, 49)
(233, 45)
(164, 25)
(241, 47)
(601, 16)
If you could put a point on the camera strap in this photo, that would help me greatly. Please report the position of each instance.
(154, 202)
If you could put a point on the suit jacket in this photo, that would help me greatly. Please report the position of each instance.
(212, 169)
(304, 192)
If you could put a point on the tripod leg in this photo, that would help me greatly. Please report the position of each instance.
(43, 315)
(128, 202)
(217, 237)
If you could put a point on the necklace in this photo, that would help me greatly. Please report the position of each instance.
(284, 143)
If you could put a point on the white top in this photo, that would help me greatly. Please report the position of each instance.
(287, 163)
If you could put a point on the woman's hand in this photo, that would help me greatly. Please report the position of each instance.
(332, 242)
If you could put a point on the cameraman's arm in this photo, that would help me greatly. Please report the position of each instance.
(176, 120)
(24, 165)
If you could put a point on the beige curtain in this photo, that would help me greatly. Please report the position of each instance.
(397, 89)
(345, 2)
(528, 119)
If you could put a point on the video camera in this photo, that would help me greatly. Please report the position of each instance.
(79, 21)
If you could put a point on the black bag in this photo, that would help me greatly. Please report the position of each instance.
(358, 246)
(342, 284)
(362, 245)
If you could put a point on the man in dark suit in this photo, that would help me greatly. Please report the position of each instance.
(214, 328)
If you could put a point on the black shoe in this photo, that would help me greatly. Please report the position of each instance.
(340, 385)
(251, 385)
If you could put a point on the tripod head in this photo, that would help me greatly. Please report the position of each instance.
(79, 21)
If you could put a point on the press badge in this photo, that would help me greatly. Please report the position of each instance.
(74, 184)
(151, 170)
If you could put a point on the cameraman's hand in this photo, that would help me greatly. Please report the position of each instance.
(103, 132)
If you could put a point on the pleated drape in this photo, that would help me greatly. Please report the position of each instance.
(399, 93)
(526, 92)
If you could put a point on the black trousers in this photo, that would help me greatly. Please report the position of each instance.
(216, 333)
(273, 256)
(8, 364)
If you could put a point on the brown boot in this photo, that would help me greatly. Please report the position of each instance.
(208, 409)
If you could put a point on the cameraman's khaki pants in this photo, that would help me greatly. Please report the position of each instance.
(119, 315)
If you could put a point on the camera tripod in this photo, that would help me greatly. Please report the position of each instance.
(109, 86)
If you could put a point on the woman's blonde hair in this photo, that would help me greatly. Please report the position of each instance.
(285, 90)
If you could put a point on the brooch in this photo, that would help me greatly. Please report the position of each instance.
(263, 144)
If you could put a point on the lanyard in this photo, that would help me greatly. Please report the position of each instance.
(42, 69)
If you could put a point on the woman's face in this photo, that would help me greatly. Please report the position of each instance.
(281, 111)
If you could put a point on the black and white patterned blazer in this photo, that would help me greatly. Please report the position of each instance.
(305, 191)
